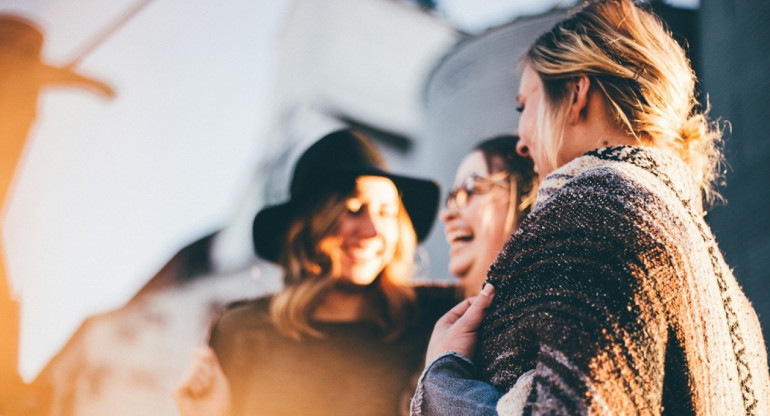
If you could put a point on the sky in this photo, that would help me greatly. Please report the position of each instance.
(109, 190)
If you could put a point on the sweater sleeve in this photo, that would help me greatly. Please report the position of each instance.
(575, 302)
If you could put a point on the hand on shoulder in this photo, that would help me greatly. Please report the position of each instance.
(204, 390)
(456, 330)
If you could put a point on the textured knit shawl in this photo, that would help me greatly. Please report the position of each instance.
(616, 294)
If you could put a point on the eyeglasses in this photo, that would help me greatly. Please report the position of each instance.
(460, 196)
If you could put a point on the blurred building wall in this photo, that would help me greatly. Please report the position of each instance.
(735, 58)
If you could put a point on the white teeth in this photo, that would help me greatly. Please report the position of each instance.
(455, 235)
(364, 253)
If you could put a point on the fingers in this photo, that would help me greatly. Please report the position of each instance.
(477, 309)
(199, 376)
(204, 391)
(456, 330)
(455, 313)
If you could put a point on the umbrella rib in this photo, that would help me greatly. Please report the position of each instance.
(107, 32)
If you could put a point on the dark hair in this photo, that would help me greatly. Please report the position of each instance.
(503, 148)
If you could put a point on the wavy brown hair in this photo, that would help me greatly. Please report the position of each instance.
(311, 265)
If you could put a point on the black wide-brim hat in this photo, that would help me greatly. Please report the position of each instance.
(331, 165)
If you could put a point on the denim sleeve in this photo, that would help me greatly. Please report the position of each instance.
(448, 387)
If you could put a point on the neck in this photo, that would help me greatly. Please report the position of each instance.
(341, 305)
(590, 139)
(618, 139)
(472, 282)
(593, 129)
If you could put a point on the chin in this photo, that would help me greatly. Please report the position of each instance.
(363, 282)
(363, 277)
(349, 286)
(461, 275)
(458, 271)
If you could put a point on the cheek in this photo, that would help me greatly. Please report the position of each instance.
(390, 236)
(485, 220)
(522, 127)
(474, 214)
(495, 225)
(343, 228)
(525, 123)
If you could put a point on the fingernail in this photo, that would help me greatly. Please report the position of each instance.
(488, 289)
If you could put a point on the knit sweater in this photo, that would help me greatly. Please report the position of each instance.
(615, 292)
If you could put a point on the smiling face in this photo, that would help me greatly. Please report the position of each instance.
(368, 230)
(477, 231)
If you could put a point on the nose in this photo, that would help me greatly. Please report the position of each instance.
(367, 228)
(448, 213)
(522, 149)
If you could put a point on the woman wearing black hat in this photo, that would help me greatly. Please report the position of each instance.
(348, 332)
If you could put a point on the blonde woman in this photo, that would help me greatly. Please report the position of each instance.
(348, 332)
(493, 191)
(613, 297)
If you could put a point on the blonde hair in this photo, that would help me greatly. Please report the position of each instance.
(310, 261)
(642, 73)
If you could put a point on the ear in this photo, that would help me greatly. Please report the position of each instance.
(579, 98)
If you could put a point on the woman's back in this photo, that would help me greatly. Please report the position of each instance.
(635, 309)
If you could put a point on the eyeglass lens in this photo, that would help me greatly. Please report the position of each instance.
(474, 184)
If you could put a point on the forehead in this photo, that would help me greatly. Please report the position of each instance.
(376, 188)
(530, 81)
(474, 163)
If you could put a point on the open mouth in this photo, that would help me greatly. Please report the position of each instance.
(459, 235)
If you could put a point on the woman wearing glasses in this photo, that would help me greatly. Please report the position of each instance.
(494, 189)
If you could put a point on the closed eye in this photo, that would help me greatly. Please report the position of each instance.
(354, 206)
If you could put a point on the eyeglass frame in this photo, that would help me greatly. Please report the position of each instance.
(468, 188)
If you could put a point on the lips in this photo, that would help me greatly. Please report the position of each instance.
(362, 254)
(459, 235)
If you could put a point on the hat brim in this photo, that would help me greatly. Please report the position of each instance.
(419, 196)
(269, 229)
